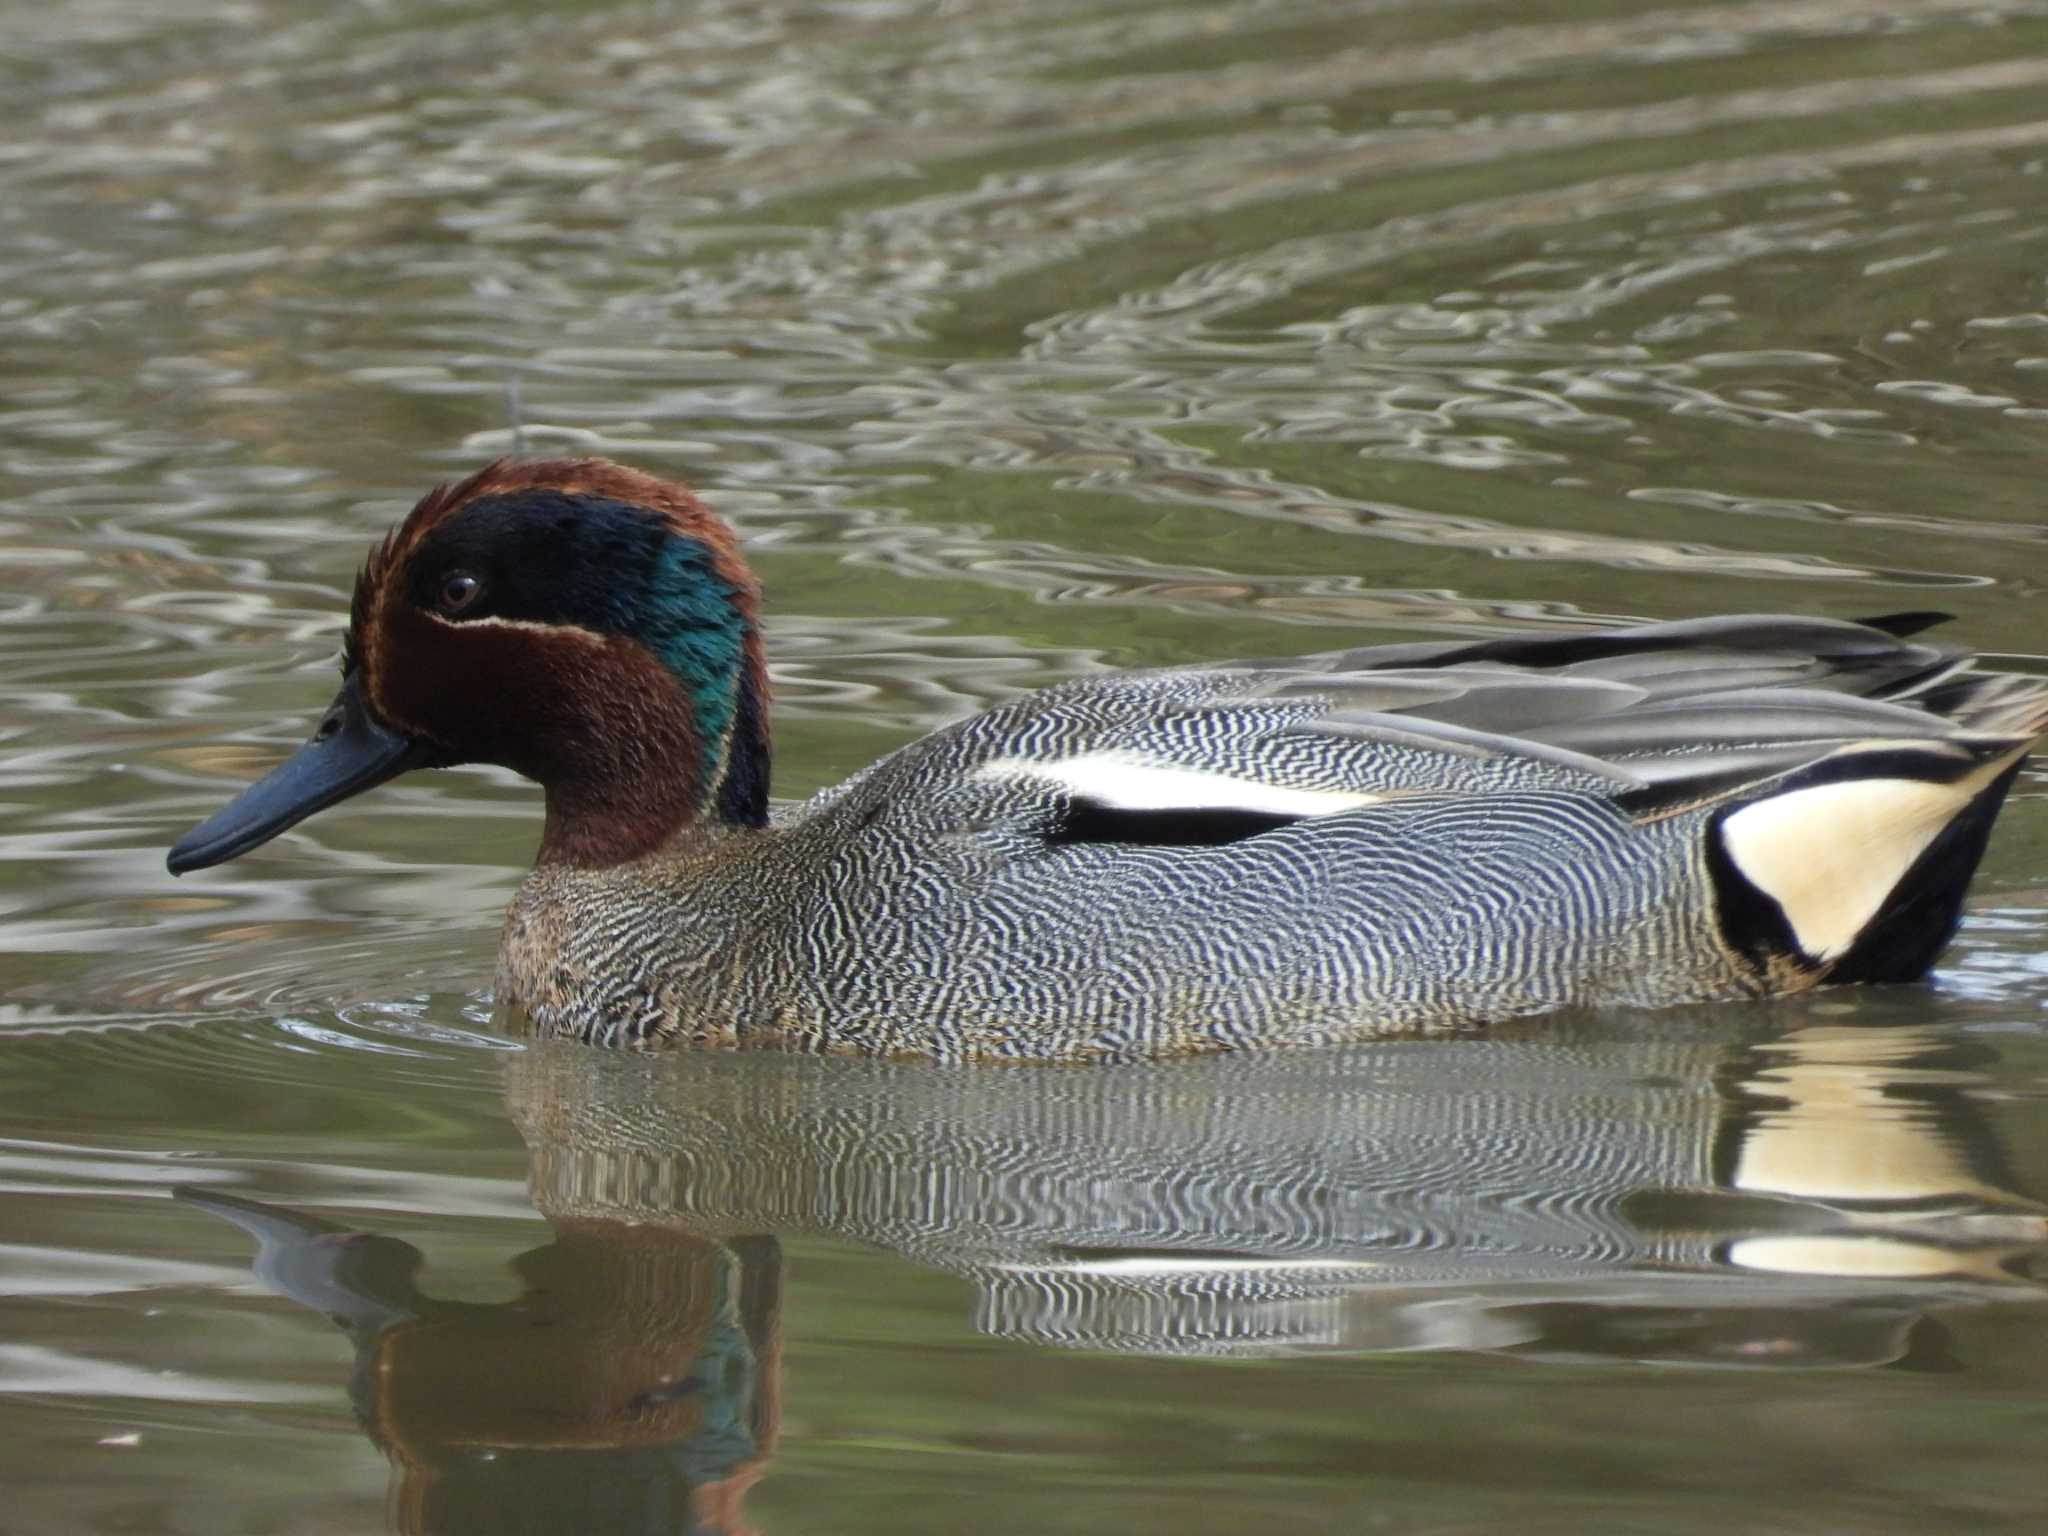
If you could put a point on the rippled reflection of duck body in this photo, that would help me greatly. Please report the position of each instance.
(1147, 863)
(1811, 1200)
(1396, 1196)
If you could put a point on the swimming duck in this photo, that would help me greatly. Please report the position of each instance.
(1144, 863)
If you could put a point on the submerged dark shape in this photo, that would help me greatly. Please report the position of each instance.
(1239, 853)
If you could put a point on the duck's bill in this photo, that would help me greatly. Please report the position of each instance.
(350, 752)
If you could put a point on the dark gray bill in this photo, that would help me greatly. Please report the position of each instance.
(350, 752)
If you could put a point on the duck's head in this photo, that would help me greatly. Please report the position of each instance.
(586, 625)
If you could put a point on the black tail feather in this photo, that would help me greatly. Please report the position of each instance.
(1925, 908)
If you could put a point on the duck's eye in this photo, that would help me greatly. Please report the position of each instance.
(459, 590)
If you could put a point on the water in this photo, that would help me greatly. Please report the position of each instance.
(1018, 342)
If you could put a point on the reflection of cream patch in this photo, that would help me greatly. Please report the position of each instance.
(1868, 1256)
(1842, 1139)
(1125, 781)
(1830, 854)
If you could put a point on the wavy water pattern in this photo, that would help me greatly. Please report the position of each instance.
(1018, 341)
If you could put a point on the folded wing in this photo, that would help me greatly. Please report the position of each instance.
(1656, 719)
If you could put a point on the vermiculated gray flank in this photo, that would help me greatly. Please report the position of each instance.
(1548, 830)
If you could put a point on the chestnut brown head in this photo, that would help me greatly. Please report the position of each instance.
(586, 625)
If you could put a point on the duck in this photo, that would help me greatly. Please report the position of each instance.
(1404, 838)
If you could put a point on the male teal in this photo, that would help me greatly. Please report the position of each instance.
(1231, 854)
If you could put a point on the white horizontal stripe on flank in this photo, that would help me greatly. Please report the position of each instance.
(1126, 782)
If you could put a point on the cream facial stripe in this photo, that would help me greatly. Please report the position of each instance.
(536, 626)
(1127, 782)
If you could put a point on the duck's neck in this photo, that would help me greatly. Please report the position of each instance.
(663, 774)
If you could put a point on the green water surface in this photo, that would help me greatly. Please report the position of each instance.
(1018, 342)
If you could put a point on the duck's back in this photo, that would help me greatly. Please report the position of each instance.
(1280, 852)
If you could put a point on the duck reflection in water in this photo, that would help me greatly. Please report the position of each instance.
(631, 1387)
(1810, 1199)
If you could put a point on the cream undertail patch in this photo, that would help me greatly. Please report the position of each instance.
(1829, 854)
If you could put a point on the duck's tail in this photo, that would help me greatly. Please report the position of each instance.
(1854, 866)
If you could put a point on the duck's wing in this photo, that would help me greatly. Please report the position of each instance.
(1655, 719)
(1828, 786)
